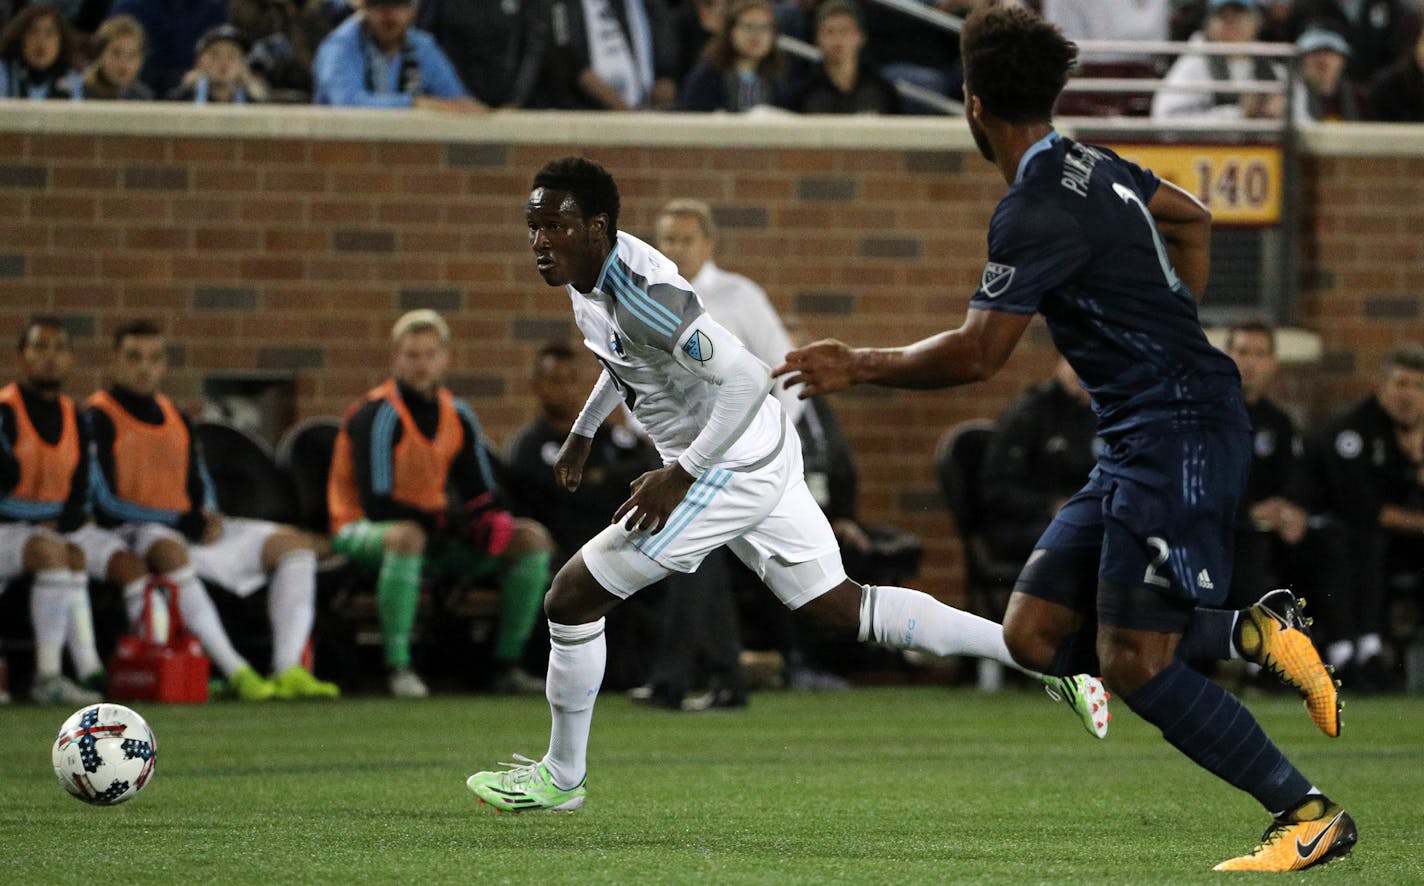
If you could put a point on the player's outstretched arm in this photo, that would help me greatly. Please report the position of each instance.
(973, 352)
(1185, 226)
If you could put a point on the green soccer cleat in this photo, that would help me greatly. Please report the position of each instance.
(1086, 696)
(525, 786)
(298, 682)
(251, 686)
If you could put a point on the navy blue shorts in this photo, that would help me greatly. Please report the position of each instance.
(1160, 513)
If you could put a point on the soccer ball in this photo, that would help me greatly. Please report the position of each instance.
(104, 754)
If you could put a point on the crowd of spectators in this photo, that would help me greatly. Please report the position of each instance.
(1358, 59)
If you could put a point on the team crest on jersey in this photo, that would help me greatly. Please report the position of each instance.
(615, 344)
(996, 279)
(698, 347)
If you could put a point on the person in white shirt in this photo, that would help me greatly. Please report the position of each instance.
(687, 234)
(732, 476)
(1228, 21)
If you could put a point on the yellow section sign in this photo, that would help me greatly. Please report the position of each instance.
(1240, 184)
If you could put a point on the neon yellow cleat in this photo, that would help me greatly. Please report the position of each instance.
(298, 682)
(252, 686)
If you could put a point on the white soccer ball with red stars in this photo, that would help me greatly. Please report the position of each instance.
(104, 754)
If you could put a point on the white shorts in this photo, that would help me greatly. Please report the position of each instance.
(13, 538)
(234, 561)
(766, 516)
(99, 546)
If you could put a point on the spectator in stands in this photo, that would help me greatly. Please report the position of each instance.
(220, 74)
(1273, 520)
(1397, 94)
(376, 59)
(284, 38)
(1140, 20)
(118, 57)
(1130, 20)
(1325, 91)
(907, 49)
(150, 483)
(615, 55)
(687, 234)
(843, 83)
(37, 49)
(742, 66)
(1188, 17)
(1229, 21)
(694, 23)
(497, 47)
(1376, 31)
(1369, 464)
(172, 28)
(43, 470)
(402, 450)
(1041, 452)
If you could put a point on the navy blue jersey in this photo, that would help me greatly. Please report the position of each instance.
(1073, 240)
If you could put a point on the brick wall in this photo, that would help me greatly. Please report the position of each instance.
(294, 254)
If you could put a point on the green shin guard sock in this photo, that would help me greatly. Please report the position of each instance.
(397, 594)
(521, 599)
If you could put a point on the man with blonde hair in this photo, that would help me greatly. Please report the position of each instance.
(400, 452)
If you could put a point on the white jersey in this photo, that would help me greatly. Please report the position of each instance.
(667, 356)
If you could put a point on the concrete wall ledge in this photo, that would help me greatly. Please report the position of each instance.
(576, 129)
(590, 128)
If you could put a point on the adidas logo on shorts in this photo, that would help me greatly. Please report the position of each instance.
(1204, 581)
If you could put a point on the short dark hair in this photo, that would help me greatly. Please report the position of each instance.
(136, 328)
(1409, 355)
(41, 321)
(1015, 62)
(592, 187)
(1251, 327)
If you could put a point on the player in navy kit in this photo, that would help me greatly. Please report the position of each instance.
(1111, 256)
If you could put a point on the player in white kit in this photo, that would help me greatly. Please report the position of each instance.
(732, 475)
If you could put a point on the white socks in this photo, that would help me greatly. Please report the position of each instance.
(50, 595)
(577, 656)
(62, 617)
(291, 606)
(909, 619)
(201, 618)
(79, 636)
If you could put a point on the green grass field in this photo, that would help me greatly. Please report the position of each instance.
(904, 785)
